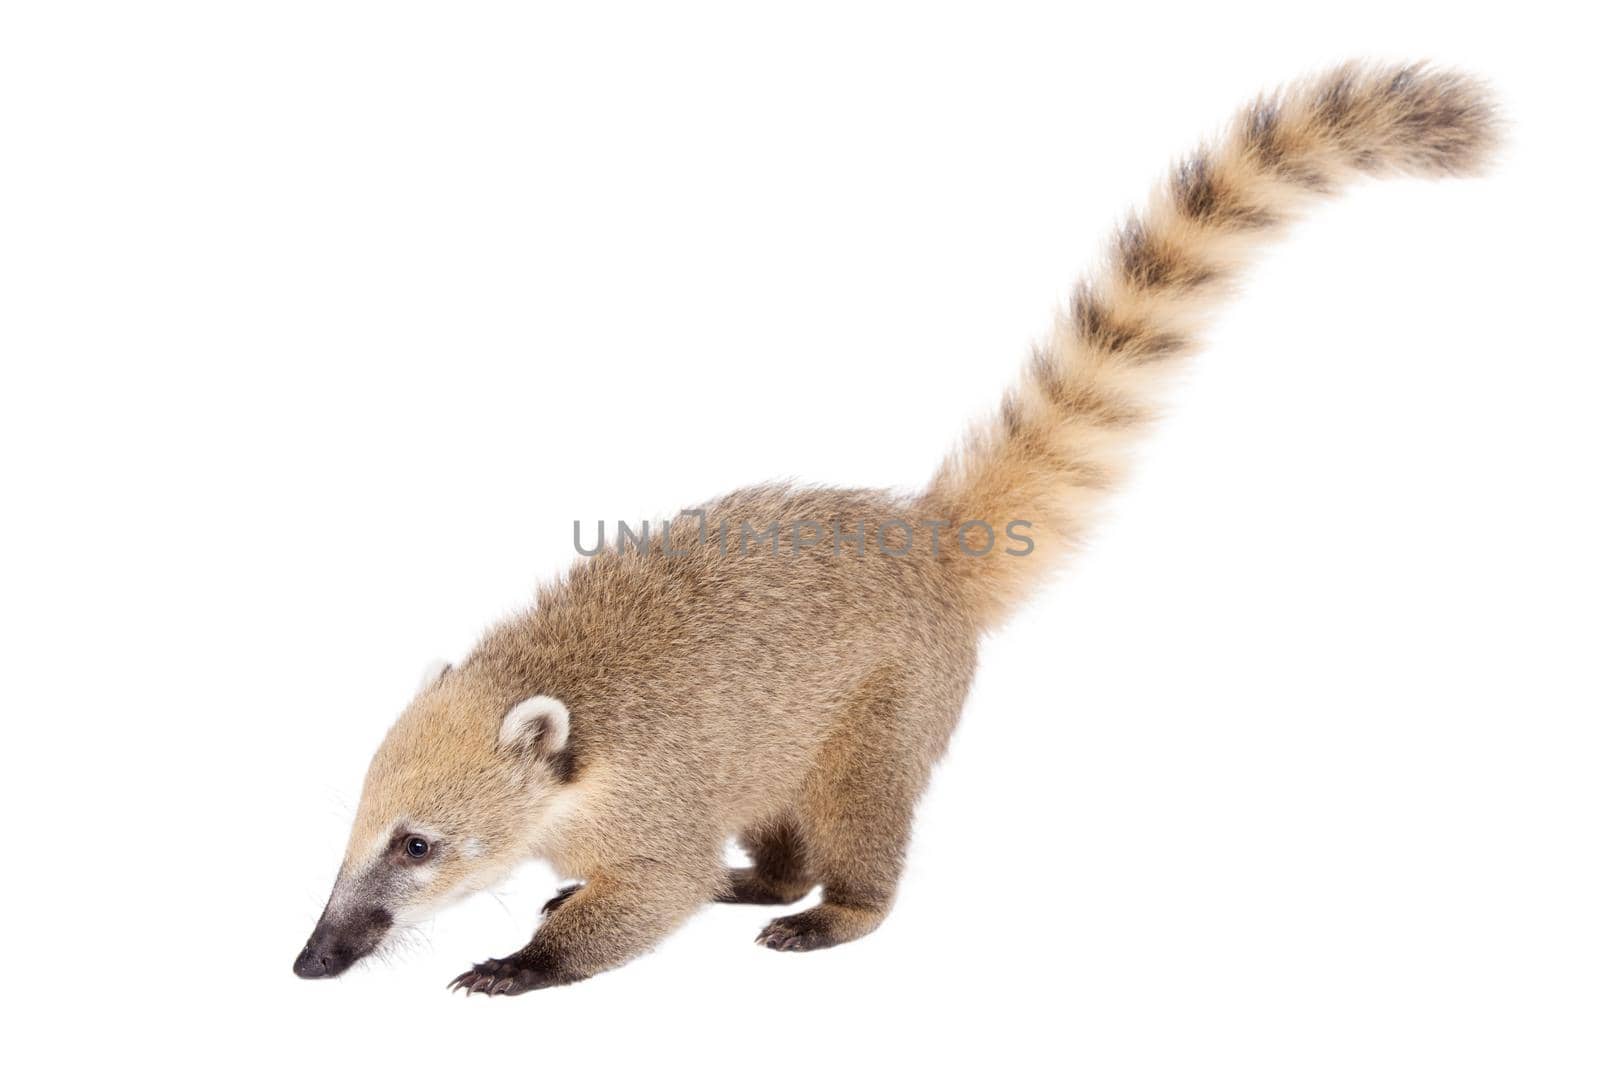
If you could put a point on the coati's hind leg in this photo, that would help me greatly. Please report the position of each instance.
(855, 816)
(777, 874)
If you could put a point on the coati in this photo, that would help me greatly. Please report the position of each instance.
(795, 695)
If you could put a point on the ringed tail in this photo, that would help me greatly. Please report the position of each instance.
(1056, 446)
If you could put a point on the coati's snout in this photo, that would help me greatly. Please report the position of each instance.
(337, 942)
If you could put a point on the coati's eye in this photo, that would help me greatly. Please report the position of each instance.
(416, 847)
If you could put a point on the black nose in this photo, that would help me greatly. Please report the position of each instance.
(335, 945)
(324, 957)
(314, 963)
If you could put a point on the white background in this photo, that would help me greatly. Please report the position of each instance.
(322, 322)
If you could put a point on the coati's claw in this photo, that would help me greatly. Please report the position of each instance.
(560, 898)
(779, 941)
(782, 936)
(479, 979)
(506, 978)
(823, 926)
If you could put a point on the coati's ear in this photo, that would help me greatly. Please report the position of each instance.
(430, 677)
(539, 722)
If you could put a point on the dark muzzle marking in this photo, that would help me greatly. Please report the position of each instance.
(335, 945)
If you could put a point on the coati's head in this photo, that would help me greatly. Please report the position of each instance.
(462, 790)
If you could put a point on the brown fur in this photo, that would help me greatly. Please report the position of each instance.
(1059, 444)
(798, 699)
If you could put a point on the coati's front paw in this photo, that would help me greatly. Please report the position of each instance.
(508, 977)
(494, 977)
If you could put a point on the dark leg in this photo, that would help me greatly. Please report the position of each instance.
(604, 923)
(562, 896)
(777, 874)
(856, 813)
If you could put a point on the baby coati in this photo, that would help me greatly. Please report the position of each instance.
(784, 666)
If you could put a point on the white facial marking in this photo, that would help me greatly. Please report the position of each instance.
(380, 841)
(472, 848)
(544, 716)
